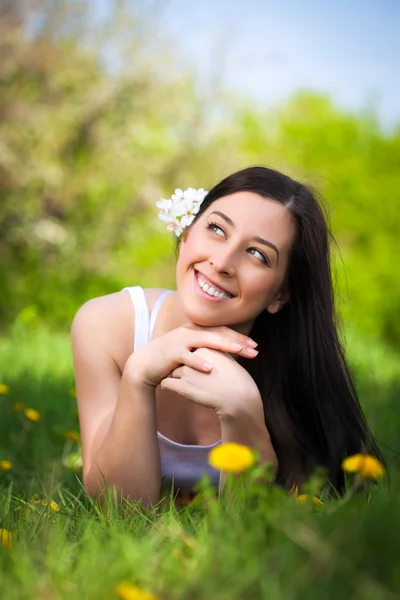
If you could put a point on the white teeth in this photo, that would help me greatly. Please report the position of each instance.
(211, 290)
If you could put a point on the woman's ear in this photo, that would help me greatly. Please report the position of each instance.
(277, 304)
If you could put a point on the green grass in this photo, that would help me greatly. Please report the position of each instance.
(258, 543)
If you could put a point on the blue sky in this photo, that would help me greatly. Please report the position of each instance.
(266, 50)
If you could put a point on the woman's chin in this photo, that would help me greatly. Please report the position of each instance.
(200, 317)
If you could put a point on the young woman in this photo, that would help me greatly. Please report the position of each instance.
(162, 376)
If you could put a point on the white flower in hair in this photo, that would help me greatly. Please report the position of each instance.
(176, 227)
(180, 210)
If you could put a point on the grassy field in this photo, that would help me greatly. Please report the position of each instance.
(259, 543)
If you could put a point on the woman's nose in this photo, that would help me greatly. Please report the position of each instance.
(223, 263)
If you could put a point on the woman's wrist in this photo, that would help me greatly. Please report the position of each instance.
(133, 378)
(133, 374)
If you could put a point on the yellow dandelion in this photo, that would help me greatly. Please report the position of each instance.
(5, 465)
(368, 466)
(17, 406)
(352, 464)
(53, 505)
(6, 538)
(303, 498)
(72, 435)
(127, 591)
(32, 414)
(317, 501)
(72, 392)
(231, 457)
(4, 389)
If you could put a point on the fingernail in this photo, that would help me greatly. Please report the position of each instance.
(252, 352)
(251, 343)
(208, 366)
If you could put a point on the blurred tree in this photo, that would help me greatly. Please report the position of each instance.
(92, 133)
(98, 120)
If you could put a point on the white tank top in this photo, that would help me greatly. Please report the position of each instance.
(180, 463)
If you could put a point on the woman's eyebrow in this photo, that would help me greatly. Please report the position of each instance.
(256, 238)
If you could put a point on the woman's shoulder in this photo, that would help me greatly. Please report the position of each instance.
(109, 321)
(114, 306)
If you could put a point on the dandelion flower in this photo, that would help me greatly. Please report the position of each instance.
(5, 465)
(17, 406)
(32, 414)
(4, 389)
(127, 591)
(53, 505)
(72, 435)
(368, 466)
(317, 501)
(231, 457)
(6, 538)
(303, 498)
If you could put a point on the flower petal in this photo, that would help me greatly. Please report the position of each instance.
(352, 464)
(231, 457)
(372, 468)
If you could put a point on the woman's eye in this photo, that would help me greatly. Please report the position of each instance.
(263, 257)
(214, 226)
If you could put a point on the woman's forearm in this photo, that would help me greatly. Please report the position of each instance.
(129, 458)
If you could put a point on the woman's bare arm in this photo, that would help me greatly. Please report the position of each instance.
(117, 413)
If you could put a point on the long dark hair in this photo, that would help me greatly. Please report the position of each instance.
(311, 407)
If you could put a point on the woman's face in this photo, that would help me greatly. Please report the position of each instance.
(225, 247)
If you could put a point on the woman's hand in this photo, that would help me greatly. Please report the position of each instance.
(156, 360)
(228, 388)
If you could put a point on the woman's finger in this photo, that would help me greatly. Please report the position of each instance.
(195, 361)
(237, 337)
(177, 373)
(234, 336)
(208, 339)
(180, 386)
(187, 390)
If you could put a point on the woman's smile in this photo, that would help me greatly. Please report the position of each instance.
(208, 291)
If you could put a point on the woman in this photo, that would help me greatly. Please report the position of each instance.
(253, 269)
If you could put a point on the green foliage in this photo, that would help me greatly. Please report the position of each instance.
(83, 158)
(253, 542)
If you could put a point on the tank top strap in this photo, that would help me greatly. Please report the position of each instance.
(141, 315)
(155, 310)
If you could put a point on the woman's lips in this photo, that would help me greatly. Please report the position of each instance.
(204, 294)
(212, 283)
